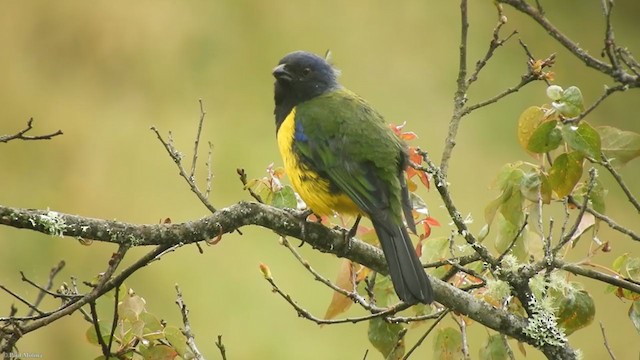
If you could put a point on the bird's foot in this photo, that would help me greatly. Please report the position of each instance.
(348, 237)
(301, 215)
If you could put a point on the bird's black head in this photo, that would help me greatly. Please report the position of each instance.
(301, 76)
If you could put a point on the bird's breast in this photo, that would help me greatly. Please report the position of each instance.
(315, 190)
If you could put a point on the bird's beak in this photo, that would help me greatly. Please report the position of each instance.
(281, 73)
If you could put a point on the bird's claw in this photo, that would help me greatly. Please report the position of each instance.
(301, 215)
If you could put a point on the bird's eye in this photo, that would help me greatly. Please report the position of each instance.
(306, 71)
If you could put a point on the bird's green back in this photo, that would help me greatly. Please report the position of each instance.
(340, 136)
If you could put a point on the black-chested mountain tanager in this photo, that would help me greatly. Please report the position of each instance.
(342, 157)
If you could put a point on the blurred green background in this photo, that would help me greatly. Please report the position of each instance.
(105, 71)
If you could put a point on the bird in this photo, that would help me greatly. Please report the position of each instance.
(342, 157)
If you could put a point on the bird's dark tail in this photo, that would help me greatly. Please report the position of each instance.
(407, 274)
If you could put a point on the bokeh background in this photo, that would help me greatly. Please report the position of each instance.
(105, 71)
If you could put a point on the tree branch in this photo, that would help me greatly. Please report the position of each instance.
(226, 220)
(21, 134)
(592, 62)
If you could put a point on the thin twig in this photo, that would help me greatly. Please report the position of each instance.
(399, 341)
(597, 275)
(197, 141)
(609, 38)
(409, 319)
(524, 80)
(114, 321)
(462, 260)
(309, 316)
(243, 179)
(191, 341)
(353, 295)
(609, 221)
(572, 46)
(22, 300)
(177, 159)
(106, 351)
(426, 333)
(366, 352)
(104, 284)
(209, 164)
(20, 135)
(515, 238)
(495, 43)
(627, 58)
(593, 174)
(221, 348)
(607, 92)
(606, 343)
(443, 190)
(46, 289)
(463, 331)
(460, 96)
(616, 175)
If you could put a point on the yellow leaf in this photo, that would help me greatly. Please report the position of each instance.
(527, 123)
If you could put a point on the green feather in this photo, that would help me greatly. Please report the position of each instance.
(350, 143)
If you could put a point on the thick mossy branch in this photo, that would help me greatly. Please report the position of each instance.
(247, 213)
(221, 222)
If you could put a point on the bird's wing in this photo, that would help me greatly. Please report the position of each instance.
(347, 142)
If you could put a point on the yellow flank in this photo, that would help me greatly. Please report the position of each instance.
(308, 184)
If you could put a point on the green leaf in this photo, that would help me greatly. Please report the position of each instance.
(631, 268)
(508, 180)
(527, 123)
(505, 234)
(506, 175)
(536, 184)
(545, 137)
(435, 249)
(570, 103)
(178, 341)
(565, 173)
(511, 208)
(383, 291)
(618, 145)
(583, 138)
(596, 197)
(619, 262)
(628, 267)
(153, 329)
(448, 345)
(484, 231)
(634, 315)
(105, 331)
(493, 349)
(554, 92)
(576, 311)
(284, 198)
(492, 208)
(384, 337)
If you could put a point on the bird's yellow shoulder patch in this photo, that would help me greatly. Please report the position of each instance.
(311, 187)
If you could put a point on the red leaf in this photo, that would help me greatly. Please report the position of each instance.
(411, 172)
(424, 179)
(419, 248)
(409, 135)
(414, 156)
(432, 221)
(427, 229)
